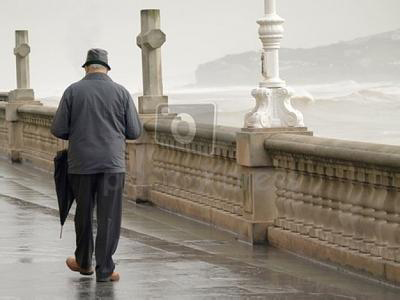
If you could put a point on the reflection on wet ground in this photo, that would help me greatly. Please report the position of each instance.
(160, 255)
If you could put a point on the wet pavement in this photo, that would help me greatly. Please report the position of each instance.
(160, 256)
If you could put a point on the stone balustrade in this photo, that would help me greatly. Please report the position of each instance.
(328, 199)
(208, 186)
(338, 200)
(39, 145)
(196, 181)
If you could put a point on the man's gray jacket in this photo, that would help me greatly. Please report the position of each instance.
(96, 115)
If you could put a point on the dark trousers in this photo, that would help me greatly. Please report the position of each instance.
(103, 190)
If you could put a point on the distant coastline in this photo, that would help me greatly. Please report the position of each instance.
(368, 59)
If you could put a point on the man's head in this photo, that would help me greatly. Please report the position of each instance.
(96, 68)
(96, 61)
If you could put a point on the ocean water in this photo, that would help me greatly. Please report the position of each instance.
(368, 112)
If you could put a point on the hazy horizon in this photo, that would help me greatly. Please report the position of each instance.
(197, 32)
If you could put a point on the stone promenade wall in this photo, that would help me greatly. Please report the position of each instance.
(209, 188)
(38, 144)
(328, 199)
(195, 183)
(192, 181)
(338, 201)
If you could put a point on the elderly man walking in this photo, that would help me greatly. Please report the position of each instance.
(96, 115)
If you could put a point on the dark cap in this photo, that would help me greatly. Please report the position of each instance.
(97, 56)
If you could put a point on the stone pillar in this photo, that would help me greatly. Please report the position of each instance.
(150, 41)
(273, 98)
(21, 52)
(272, 114)
(20, 96)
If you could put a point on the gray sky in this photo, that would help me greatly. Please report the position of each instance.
(197, 31)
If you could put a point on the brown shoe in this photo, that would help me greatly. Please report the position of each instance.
(113, 277)
(73, 266)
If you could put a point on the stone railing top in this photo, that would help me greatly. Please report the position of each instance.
(354, 152)
(3, 105)
(38, 109)
(222, 133)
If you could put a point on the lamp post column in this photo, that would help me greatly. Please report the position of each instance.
(273, 99)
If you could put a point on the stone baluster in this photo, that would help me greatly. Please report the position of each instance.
(218, 178)
(238, 194)
(345, 214)
(280, 199)
(390, 230)
(289, 204)
(294, 184)
(307, 213)
(392, 233)
(380, 219)
(230, 197)
(298, 208)
(326, 215)
(333, 192)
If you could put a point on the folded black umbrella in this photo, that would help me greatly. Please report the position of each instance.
(64, 191)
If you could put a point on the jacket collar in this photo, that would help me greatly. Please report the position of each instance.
(97, 76)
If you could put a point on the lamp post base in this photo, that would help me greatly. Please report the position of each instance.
(273, 109)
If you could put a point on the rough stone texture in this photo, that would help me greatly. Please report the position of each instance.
(21, 95)
(211, 188)
(312, 247)
(29, 136)
(338, 201)
(250, 144)
(139, 166)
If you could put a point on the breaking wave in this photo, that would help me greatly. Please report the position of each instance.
(355, 92)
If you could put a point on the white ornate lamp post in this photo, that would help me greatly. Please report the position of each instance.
(273, 98)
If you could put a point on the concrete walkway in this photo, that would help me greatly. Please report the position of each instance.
(160, 256)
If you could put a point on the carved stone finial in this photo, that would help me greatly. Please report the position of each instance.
(22, 50)
(153, 39)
